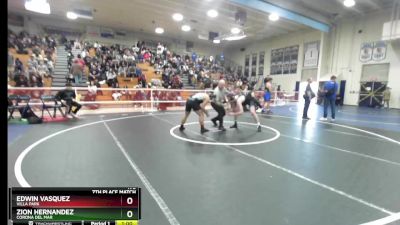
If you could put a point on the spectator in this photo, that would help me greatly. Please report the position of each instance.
(77, 71)
(42, 69)
(18, 65)
(386, 97)
(10, 64)
(330, 90)
(50, 67)
(111, 76)
(20, 79)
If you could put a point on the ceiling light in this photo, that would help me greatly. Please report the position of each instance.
(349, 3)
(235, 38)
(72, 15)
(159, 30)
(273, 17)
(177, 17)
(216, 41)
(212, 13)
(186, 28)
(39, 6)
(235, 30)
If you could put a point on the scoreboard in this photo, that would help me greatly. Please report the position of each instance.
(74, 206)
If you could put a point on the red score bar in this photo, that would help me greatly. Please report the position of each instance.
(77, 201)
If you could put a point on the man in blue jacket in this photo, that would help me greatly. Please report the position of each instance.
(330, 90)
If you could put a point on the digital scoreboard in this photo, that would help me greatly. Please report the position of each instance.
(74, 206)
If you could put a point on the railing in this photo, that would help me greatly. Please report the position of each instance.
(129, 99)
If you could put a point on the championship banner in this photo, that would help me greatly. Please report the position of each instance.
(379, 51)
(311, 54)
(246, 65)
(293, 59)
(366, 51)
(284, 60)
(261, 63)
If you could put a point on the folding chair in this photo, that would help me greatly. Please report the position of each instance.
(50, 102)
(14, 103)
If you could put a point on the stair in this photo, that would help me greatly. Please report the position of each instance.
(61, 68)
(185, 80)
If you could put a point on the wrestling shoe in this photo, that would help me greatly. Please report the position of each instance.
(214, 122)
(74, 116)
(234, 126)
(221, 128)
(203, 130)
(181, 128)
(259, 128)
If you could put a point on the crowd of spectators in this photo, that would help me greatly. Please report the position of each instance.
(42, 50)
(106, 63)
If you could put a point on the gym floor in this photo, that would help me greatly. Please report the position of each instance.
(293, 172)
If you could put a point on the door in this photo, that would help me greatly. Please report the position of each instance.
(371, 94)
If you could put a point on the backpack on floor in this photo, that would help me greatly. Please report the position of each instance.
(28, 114)
(35, 120)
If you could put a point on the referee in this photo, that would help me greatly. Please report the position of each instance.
(220, 93)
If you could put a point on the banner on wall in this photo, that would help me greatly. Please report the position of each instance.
(253, 64)
(284, 60)
(294, 55)
(261, 63)
(373, 51)
(379, 51)
(246, 65)
(366, 51)
(311, 54)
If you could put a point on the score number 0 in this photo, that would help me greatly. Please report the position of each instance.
(129, 213)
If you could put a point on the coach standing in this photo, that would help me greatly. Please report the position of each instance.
(220, 93)
(308, 95)
(330, 90)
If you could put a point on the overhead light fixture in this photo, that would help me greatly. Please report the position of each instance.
(235, 30)
(273, 17)
(212, 13)
(349, 3)
(216, 41)
(177, 17)
(159, 30)
(39, 6)
(72, 15)
(235, 38)
(186, 28)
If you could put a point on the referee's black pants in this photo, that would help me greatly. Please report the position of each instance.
(221, 113)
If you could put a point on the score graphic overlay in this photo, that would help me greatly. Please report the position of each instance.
(74, 206)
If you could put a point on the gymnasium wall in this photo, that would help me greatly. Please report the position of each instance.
(340, 52)
(347, 38)
(288, 81)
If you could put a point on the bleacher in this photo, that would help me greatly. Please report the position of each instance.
(24, 59)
